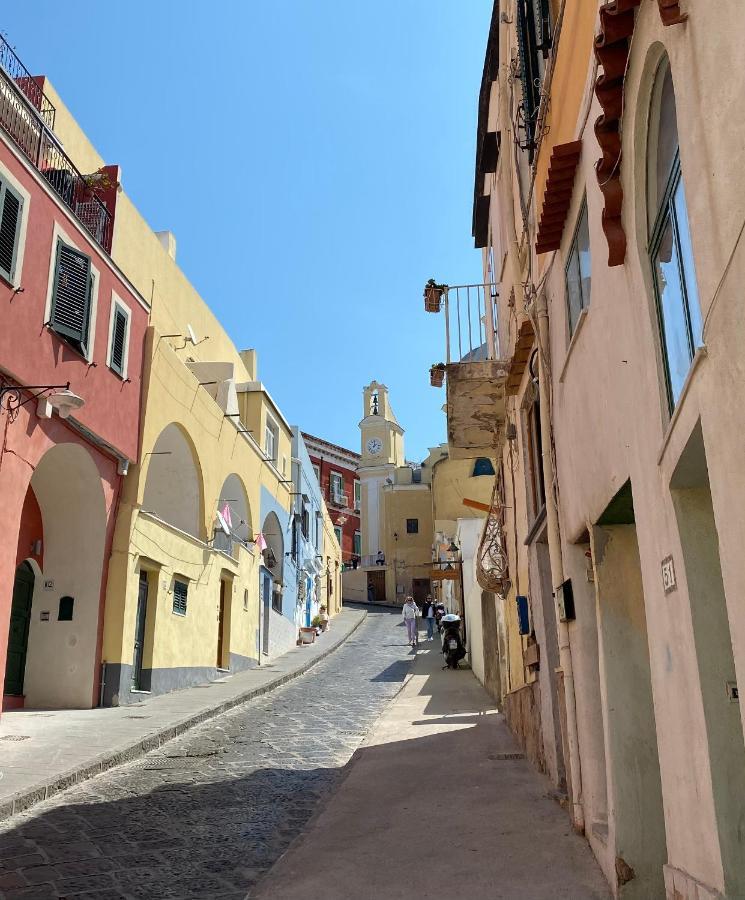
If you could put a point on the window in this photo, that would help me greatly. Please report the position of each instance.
(306, 523)
(71, 296)
(534, 42)
(535, 459)
(578, 271)
(412, 526)
(671, 252)
(317, 470)
(119, 338)
(337, 532)
(357, 495)
(271, 439)
(11, 208)
(483, 466)
(357, 546)
(180, 594)
(245, 599)
(336, 487)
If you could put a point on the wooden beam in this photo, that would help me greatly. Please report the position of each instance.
(474, 504)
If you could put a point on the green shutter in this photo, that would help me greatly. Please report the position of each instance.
(180, 593)
(10, 226)
(119, 328)
(71, 295)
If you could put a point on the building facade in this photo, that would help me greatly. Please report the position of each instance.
(71, 358)
(611, 246)
(336, 471)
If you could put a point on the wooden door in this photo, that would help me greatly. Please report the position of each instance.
(140, 632)
(220, 625)
(20, 620)
(376, 587)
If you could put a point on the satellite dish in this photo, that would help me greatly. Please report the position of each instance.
(191, 336)
(222, 523)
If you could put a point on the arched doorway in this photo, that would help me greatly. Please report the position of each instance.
(271, 573)
(20, 621)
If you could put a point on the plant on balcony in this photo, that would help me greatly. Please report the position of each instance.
(99, 182)
(437, 374)
(433, 295)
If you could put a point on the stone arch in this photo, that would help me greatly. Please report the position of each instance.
(61, 655)
(234, 496)
(173, 486)
(274, 554)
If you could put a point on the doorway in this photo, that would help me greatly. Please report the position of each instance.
(223, 617)
(139, 647)
(376, 586)
(20, 621)
(420, 588)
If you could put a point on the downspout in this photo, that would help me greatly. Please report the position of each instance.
(557, 564)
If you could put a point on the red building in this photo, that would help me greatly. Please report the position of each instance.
(71, 346)
(336, 471)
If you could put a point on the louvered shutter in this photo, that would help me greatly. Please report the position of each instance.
(10, 226)
(180, 594)
(71, 295)
(119, 328)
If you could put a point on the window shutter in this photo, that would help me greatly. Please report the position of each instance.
(71, 295)
(180, 593)
(10, 226)
(118, 340)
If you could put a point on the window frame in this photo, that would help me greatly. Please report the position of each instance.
(357, 494)
(338, 533)
(271, 428)
(573, 253)
(118, 304)
(534, 453)
(357, 543)
(12, 276)
(412, 526)
(60, 235)
(180, 580)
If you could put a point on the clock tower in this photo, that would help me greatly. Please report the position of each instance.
(382, 451)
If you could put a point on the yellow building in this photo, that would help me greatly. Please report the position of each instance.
(193, 592)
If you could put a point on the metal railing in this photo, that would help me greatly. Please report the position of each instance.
(29, 130)
(24, 81)
(372, 559)
(471, 317)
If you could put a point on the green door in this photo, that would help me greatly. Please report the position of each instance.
(20, 619)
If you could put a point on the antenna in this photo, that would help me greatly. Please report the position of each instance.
(191, 336)
(222, 523)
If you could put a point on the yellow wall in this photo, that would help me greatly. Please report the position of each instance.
(411, 555)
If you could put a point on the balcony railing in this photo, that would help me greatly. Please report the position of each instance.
(471, 332)
(338, 498)
(27, 117)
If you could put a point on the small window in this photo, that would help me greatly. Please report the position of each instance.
(11, 207)
(337, 532)
(306, 523)
(66, 606)
(277, 598)
(535, 459)
(412, 526)
(271, 440)
(245, 599)
(71, 296)
(357, 495)
(578, 271)
(119, 339)
(483, 466)
(317, 471)
(180, 594)
(357, 543)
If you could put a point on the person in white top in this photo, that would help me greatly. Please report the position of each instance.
(410, 612)
(429, 615)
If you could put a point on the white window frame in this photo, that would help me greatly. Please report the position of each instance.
(117, 302)
(357, 543)
(317, 470)
(334, 478)
(16, 280)
(338, 533)
(357, 494)
(271, 428)
(59, 234)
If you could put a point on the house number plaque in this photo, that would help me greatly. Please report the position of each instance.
(668, 575)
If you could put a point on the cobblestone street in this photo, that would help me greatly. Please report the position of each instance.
(210, 812)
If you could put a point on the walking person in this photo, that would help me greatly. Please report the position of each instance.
(410, 612)
(429, 615)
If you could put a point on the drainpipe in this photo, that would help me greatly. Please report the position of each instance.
(557, 564)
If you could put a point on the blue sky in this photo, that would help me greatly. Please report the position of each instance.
(315, 162)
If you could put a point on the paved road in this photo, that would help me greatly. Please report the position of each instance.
(207, 814)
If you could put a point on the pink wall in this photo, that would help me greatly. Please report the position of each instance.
(31, 530)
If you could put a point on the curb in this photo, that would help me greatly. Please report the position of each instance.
(24, 800)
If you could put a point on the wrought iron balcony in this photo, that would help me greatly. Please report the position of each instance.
(27, 117)
(474, 373)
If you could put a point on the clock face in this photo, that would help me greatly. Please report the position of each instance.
(374, 446)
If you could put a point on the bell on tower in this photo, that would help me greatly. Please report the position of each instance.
(374, 403)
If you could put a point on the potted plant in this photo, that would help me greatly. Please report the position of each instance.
(437, 374)
(433, 295)
(307, 634)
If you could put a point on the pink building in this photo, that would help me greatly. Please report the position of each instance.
(71, 346)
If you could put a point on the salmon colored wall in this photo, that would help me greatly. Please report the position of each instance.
(32, 530)
(35, 355)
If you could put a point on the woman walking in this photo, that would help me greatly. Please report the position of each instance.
(410, 612)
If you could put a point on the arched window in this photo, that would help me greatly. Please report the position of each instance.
(671, 254)
(483, 466)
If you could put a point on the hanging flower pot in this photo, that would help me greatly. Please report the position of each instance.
(433, 296)
(437, 374)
